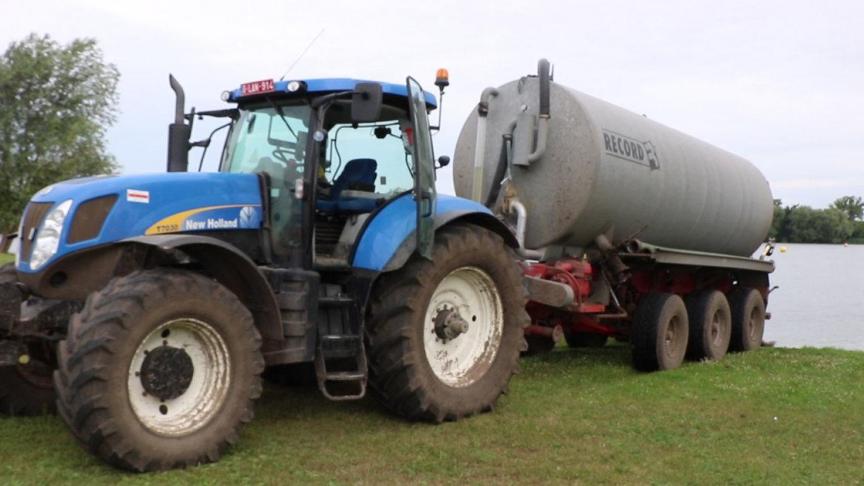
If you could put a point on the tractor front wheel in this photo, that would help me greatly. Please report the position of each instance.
(159, 370)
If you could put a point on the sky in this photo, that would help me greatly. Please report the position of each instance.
(780, 83)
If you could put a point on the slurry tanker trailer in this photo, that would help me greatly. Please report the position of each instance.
(146, 308)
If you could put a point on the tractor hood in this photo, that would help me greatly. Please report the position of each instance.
(107, 209)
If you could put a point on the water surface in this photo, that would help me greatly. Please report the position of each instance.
(820, 301)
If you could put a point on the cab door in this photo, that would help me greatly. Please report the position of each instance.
(424, 169)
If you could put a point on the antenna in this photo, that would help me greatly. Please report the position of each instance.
(312, 43)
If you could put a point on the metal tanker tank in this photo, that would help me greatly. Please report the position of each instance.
(609, 171)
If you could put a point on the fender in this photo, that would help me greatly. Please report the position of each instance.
(388, 239)
(230, 267)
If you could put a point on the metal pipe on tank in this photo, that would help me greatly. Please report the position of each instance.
(480, 144)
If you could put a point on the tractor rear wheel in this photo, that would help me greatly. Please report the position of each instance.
(26, 389)
(444, 335)
(659, 332)
(748, 319)
(159, 370)
(710, 325)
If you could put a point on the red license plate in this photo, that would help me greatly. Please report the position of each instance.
(257, 87)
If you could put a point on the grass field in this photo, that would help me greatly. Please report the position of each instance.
(776, 415)
(6, 258)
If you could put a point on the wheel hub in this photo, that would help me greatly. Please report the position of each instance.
(166, 372)
(449, 324)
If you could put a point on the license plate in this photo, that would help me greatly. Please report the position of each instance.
(257, 87)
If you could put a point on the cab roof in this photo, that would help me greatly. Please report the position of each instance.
(318, 86)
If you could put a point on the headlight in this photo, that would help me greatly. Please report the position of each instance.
(48, 236)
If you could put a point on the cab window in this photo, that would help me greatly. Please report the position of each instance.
(386, 143)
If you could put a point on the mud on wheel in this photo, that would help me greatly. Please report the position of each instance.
(159, 370)
(748, 319)
(660, 332)
(444, 335)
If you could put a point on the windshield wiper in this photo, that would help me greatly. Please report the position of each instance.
(282, 116)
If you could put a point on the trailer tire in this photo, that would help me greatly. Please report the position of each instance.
(710, 325)
(585, 340)
(26, 389)
(748, 319)
(659, 332)
(117, 393)
(473, 273)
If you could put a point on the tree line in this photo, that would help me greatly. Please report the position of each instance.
(841, 222)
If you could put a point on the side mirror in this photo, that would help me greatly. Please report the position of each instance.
(366, 102)
(443, 161)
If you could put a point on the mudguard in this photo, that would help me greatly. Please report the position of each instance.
(230, 267)
(388, 239)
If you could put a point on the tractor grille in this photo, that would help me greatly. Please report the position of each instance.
(32, 219)
(89, 218)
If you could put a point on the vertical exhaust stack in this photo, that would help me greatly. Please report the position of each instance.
(178, 132)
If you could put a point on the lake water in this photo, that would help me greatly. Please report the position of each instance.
(820, 301)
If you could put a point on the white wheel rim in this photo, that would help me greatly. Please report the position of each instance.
(207, 390)
(465, 359)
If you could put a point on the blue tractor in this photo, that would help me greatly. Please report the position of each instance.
(147, 307)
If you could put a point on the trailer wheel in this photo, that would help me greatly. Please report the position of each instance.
(710, 325)
(748, 319)
(585, 340)
(659, 333)
(444, 335)
(26, 389)
(159, 370)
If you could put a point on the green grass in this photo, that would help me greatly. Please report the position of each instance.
(6, 258)
(772, 416)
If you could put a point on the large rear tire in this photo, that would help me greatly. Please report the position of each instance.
(660, 332)
(159, 370)
(748, 319)
(444, 335)
(710, 325)
(26, 389)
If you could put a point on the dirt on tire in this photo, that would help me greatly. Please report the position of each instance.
(710, 325)
(748, 319)
(399, 372)
(655, 346)
(94, 368)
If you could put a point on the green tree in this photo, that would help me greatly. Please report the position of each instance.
(807, 225)
(853, 206)
(56, 102)
(778, 224)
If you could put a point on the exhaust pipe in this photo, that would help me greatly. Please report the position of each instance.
(178, 132)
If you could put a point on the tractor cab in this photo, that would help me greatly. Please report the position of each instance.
(330, 152)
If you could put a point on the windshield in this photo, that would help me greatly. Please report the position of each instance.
(267, 139)
(273, 140)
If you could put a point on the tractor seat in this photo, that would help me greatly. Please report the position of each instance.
(359, 174)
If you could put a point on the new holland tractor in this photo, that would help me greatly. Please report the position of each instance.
(155, 302)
